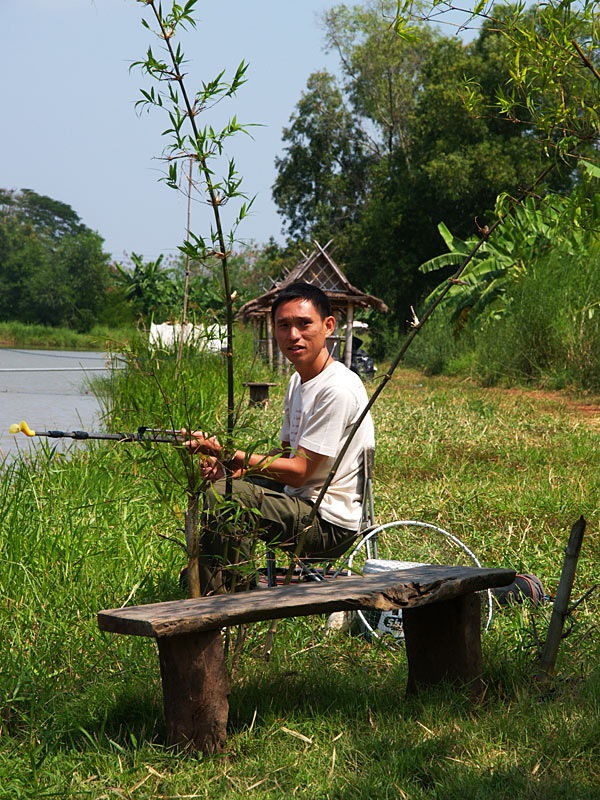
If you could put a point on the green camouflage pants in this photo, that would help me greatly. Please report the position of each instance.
(259, 509)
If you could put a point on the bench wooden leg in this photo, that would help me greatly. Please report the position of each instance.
(195, 690)
(443, 643)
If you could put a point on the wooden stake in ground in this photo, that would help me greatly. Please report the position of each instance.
(561, 603)
(192, 543)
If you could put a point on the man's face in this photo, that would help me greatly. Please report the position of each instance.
(301, 333)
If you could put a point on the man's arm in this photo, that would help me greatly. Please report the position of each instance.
(294, 470)
(279, 464)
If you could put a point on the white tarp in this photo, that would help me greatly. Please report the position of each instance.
(204, 337)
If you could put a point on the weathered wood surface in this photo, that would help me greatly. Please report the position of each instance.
(195, 690)
(443, 643)
(404, 589)
(560, 608)
(441, 620)
(259, 392)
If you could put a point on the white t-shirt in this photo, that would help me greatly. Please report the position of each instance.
(318, 416)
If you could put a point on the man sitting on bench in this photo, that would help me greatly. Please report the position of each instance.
(323, 400)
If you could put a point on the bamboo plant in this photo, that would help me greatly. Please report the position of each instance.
(202, 148)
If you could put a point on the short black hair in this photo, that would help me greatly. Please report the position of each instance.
(303, 291)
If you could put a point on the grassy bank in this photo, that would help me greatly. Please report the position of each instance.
(17, 334)
(81, 714)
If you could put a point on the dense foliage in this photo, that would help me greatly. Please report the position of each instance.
(529, 232)
(52, 267)
(54, 272)
(398, 144)
(418, 133)
(553, 54)
(155, 289)
(526, 308)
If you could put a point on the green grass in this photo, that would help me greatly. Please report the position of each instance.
(18, 334)
(548, 333)
(80, 710)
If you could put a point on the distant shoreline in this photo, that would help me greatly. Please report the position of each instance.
(42, 337)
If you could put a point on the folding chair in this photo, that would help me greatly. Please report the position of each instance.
(320, 568)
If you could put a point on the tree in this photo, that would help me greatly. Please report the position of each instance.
(420, 154)
(552, 51)
(149, 286)
(346, 134)
(380, 74)
(321, 178)
(52, 267)
(549, 99)
(47, 216)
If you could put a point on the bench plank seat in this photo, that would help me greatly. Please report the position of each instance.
(442, 627)
(404, 589)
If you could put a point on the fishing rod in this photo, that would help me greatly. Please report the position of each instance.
(143, 434)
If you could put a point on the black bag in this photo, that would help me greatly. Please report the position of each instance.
(524, 587)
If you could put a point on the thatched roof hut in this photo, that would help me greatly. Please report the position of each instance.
(318, 269)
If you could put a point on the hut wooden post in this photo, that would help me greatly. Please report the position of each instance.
(349, 329)
(269, 339)
(262, 339)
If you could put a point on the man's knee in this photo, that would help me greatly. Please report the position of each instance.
(243, 493)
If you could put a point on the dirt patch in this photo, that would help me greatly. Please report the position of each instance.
(557, 402)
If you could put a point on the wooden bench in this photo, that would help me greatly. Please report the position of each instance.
(442, 628)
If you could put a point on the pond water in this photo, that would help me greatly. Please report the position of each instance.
(48, 389)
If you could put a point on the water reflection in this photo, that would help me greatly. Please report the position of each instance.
(47, 389)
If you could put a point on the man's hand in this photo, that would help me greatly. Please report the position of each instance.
(202, 443)
(294, 469)
(211, 469)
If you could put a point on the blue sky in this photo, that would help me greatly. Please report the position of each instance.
(70, 129)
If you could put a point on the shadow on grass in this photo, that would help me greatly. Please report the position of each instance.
(133, 712)
(133, 718)
(424, 772)
(357, 692)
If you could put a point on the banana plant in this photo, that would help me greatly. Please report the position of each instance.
(536, 227)
(149, 285)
